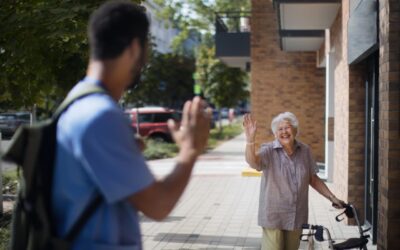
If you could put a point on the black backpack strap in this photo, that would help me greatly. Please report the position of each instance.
(84, 90)
(83, 218)
(66, 242)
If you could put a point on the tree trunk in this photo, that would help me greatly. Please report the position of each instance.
(220, 128)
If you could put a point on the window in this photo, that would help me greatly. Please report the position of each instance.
(7, 117)
(162, 117)
(128, 116)
(25, 117)
(145, 118)
(177, 116)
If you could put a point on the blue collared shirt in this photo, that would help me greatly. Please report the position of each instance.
(96, 152)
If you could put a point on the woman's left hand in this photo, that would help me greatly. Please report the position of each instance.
(336, 203)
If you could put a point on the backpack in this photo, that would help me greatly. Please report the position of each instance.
(33, 150)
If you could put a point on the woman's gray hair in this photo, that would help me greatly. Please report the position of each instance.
(286, 116)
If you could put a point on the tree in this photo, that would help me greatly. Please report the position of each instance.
(221, 85)
(226, 85)
(196, 15)
(167, 82)
(43, 50)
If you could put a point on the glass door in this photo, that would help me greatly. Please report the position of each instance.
(372, 143)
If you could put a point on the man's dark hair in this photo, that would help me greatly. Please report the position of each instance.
(113, 27)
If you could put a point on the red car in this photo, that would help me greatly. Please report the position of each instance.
(153, 121)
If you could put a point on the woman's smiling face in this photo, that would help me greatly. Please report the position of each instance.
(286, 133)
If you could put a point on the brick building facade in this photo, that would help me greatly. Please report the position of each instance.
(283, 81)
(364, 91)
(389, 121)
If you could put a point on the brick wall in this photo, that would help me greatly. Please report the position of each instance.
(282, 81)
(349, 120)
(290, 81)
(338, 37)
(389, 132)
(356, 165)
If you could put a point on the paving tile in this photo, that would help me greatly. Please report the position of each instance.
(219, 211)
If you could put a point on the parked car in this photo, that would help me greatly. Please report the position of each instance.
(224, 113)
(215, 115)
(153, 121)
(9, 122)
(214, 118)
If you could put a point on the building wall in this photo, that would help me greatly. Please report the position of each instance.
(161, 31)
(389, 132)
(283, 81)
(290, 81)
(356, 164)
(349, 120)
(341, 130)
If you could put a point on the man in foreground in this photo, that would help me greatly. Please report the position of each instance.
(96, 152)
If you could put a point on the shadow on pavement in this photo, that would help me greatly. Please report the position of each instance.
(229, 241)
(144, 219)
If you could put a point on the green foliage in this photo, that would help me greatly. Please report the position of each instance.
(43, 50)
(198, 14)
(218, 136)
(168, 82)
(5, 231)
(230, 131)
(159, 150)
(226, 86)
(10, 182)
(221, 85)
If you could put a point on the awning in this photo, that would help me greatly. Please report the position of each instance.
(302, 23)
(362, 30)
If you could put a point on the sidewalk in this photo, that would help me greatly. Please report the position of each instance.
(219, 208)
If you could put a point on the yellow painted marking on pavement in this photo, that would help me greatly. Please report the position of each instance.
(249, 172)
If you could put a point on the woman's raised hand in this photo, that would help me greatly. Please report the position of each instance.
(250, 128)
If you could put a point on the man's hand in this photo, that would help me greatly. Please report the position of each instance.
(157, 200)
(250, 128)
(192, 135)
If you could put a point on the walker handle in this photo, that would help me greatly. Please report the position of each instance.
(309, 226)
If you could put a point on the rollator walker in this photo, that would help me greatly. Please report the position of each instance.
(317, 232)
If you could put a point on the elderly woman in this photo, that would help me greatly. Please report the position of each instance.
(288, 168)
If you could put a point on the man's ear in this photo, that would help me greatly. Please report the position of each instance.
(135, 49)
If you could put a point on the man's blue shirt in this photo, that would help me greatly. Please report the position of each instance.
(96, 153)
